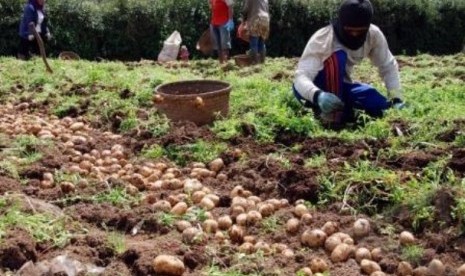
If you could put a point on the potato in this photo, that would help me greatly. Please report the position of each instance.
(241, 219)
(224, 222)
(436, 267)
(237, 191)
(305, 271)
(210, 226)
(162, 205)
(300, 210)
(341, 253)
(368, 267)
(318, 265)
(192, 235)
(253, 217)
(377, 254)
(361, 228)
(263, 247)
(313, 238)
(192, 186)
(266, 209)
(306, 219)
(330, 228)
(67, 187)
(362, 253)
(378, 273)
(239, 201)
(278, 247)
(288, 253)
(236, 234)
(179, 209)
(420, 271)
(247, 248)
(168, 265)
(182, 225)
(197, 196)
(406, 238)
(292, 225)
(237, 210)
(207, 204)
(216, 165)
(404, 269)
(461, 270)
(331, 242)
(250, 238)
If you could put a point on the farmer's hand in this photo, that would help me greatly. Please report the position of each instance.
(328, 102)
(397, 103)
(229, 25)
(30, 37)
(48, 36)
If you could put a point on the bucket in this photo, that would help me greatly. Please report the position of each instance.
(243, 60)
(198, 101)
(68, 55)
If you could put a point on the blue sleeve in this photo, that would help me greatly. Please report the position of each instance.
(28, 17)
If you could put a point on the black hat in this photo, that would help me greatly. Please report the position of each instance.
(356, 13)
(353, 13)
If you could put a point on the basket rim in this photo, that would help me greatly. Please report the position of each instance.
(210, 94)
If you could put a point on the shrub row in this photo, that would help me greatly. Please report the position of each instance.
(134, 29)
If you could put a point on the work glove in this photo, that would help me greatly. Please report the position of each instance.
(229, 25)
(48, 35)
(397, 103)
(328, 102)
(30, 37)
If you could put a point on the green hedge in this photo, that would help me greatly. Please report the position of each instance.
(133, 29)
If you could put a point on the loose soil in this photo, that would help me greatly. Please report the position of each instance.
(248, 164)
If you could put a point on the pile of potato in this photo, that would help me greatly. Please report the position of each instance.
(186, 193)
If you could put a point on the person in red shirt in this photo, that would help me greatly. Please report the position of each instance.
(221, 25)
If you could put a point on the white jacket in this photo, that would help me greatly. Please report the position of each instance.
(324, 43)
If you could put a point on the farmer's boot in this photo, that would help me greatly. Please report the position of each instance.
(253, 56)
(224, 55)
(262, 56)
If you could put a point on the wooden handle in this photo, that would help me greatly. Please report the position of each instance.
(32, 29)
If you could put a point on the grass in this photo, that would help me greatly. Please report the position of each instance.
(117, 242)
(263, 108)
(43, 227)
(412, 253)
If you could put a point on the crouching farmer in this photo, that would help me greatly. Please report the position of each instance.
(322, 81)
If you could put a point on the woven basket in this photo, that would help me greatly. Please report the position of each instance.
(205, 43)
(243, 60)
(198, 101)
(68, 55)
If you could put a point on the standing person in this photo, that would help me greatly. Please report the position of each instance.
(256, 16)
(322, 79)
(221, 25)
(34, 12)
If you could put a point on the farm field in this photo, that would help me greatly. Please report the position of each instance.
(94, 180)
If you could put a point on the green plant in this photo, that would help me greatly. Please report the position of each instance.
(412, 253)
(115, 196)
(43, 227)
(270, 224)
(153, 152)
(196, 214)
(316, 161)
(117, 242)
(167, 219)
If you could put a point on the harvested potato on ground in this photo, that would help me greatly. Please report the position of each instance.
(168, 265)
(313, 238)
(341, 253)
(368, 267)
(318, 265)
(361, 228)
(362, 253)
(406, 238)
(436, 267)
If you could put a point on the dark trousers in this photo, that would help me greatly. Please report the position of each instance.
(27, 47)
(354, 95)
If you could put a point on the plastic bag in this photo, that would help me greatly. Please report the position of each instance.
(205, 44)
(170, 49)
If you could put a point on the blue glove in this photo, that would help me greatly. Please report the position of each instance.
(397, 103)
(230, 25)
(328, 102)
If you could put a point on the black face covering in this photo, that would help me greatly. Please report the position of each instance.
(353, 13)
